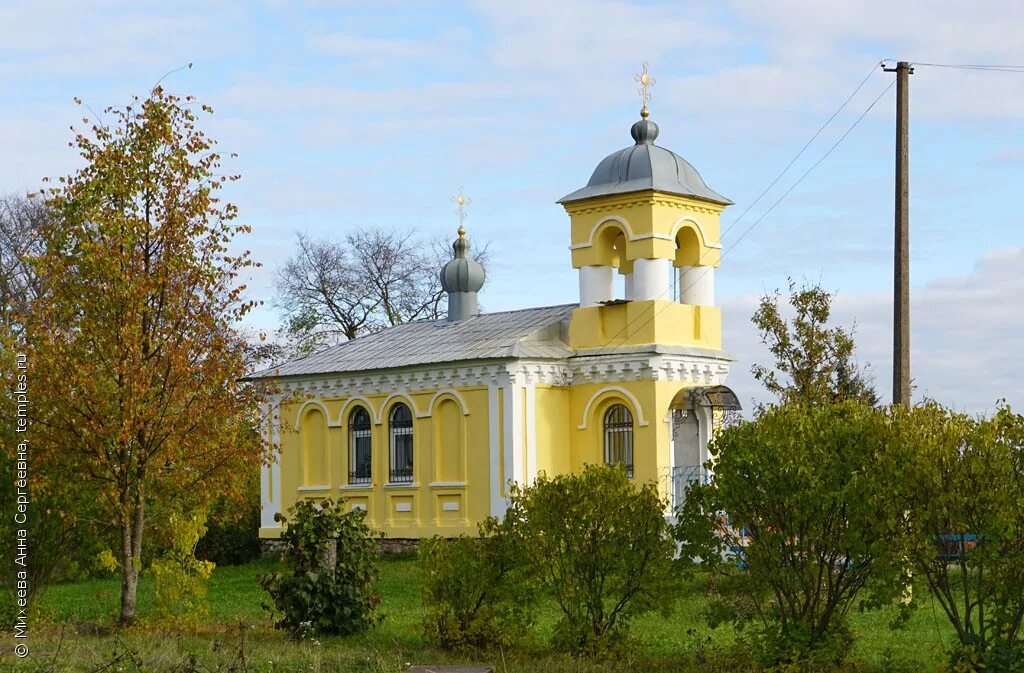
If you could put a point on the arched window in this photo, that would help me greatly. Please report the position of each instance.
(401, 444)
(360, 447)
(618, 437)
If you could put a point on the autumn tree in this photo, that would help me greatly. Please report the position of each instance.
(21, 223)
(134, 355)
(814, 361)
(334, 290)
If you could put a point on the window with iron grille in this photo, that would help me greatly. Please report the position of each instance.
(400, 424)
(360, 447)
(618, 437)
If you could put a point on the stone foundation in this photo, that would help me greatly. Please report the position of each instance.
(388, 546)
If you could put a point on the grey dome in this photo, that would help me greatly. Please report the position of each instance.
(463, 273)
(645, 166)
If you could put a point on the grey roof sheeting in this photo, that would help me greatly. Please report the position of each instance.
(526, 333)
(645, 166)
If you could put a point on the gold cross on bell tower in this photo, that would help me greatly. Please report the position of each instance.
(644, 90)
(461, 201)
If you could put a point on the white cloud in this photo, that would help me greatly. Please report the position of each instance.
(965, 336)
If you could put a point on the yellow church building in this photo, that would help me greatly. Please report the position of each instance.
(426, 424)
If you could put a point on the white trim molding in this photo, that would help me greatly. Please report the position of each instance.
(349, 402)
(399, 395)
(687, 220)
(447, 484)
(451, 392)
(314, 403)
(314, 489)
(614, 390)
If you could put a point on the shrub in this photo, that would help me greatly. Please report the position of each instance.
(967, 509)
(802, 515)
(599, 545)
(328, 585)
(473, 590)
(179, 576)
(232, 529)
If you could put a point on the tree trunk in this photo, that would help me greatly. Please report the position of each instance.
(129, 575)
(131, 560)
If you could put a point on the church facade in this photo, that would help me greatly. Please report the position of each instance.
(425, 425)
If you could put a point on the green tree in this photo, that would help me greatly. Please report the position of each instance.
(598, 544)
(133, 349)
(799, 520)
(967, 506)
(61, 524)
(474, 590)
(327, 586)
(813, 361)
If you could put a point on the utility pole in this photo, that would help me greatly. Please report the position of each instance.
(901, 275)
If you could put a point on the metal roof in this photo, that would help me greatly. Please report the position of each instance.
(643, 166)
(526, 333)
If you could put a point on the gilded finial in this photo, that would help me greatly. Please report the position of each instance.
(644, 79)
(461, 201)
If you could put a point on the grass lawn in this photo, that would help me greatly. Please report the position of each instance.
(79, 616)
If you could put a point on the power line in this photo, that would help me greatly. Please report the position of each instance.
(772, 207)
(800, 153)
(765, 190)
(969, 66)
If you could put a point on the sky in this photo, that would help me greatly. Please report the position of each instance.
(348, 114)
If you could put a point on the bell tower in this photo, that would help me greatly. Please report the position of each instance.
(646, 214)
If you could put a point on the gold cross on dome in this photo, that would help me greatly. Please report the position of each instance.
(461, 201)
(644, 79)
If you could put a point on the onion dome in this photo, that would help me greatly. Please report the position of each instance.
(645, 166)
(462, 278)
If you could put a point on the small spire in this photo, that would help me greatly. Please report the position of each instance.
(644, 79)
(461, 201)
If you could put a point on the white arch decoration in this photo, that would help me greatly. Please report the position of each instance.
(349, 402)
(313, 403)
(621, 391)
(685, 220)
(600, 223)
(440, 393)
(392, 396)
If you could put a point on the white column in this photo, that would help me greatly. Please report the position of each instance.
(494, 439)
(270, 475)
(531, 432)
(697, 284)
(597, 284)
(650, 279)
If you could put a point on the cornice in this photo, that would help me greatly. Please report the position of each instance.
(698, 366)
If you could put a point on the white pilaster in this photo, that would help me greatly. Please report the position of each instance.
(650, 279)
(531, 432)
(270, 475)
(597, 284)
(697, 284)
(494, 440)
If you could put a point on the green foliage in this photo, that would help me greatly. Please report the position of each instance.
(599, 546)
(803, 515)
(473, 590)
(232, 529)
(179, 576)
(813, 362)
(969, 481)
(328, 584)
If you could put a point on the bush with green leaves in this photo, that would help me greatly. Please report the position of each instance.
(967, 509)
(802, 519)
(328, 585)
(599, 545)
(473, 590)
(179, 576)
